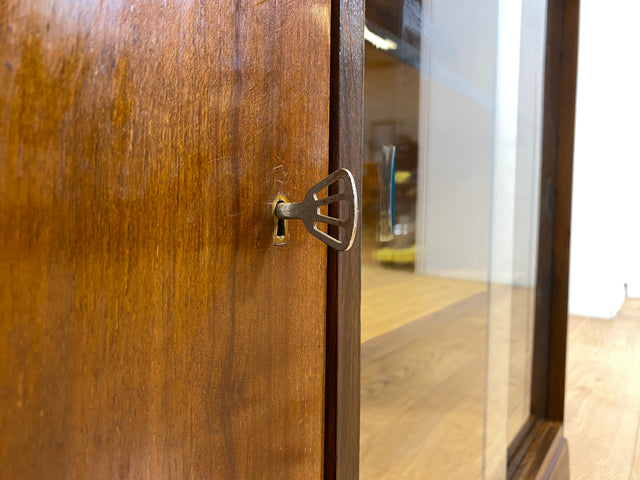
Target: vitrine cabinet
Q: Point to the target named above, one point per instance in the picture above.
(149, 327)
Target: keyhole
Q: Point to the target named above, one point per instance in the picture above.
(280, 226)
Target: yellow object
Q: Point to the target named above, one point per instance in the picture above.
(395, 255)
(402, 176)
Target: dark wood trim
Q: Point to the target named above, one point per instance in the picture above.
(342, 412)
(539, 451)
(520, 444)
(556, 464)
(550, 331)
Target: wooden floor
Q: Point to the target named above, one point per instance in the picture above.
(393, 297)
(603, 396)
(423, 397)
(424, 382)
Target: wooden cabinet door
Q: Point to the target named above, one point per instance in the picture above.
(149, 328)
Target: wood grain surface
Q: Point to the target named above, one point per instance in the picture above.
(552, 296)
(392, 298)
(559, 466)
(635, 470)
(148, 326)
(423, 396)
(342, 414)
(424, 380)
(539, 453)
(602, 420)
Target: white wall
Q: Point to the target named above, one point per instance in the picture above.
(605, 233)
(479, 149)
(455, 151)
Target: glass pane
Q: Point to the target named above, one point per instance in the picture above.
(453, 95)
(526, 205)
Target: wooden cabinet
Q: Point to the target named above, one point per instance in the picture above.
(149, 328)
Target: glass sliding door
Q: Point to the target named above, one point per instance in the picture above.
(453, 95)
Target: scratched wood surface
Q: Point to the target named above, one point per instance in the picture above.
(148, 327)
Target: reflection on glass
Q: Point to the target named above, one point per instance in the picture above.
(453, 96)
(386, 192)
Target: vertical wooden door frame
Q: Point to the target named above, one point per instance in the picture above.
(342, 394)
(552, 290)
(541, 439)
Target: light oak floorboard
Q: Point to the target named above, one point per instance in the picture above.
(393, 297)
(603, 395)
(635, 473)
(424, 382)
